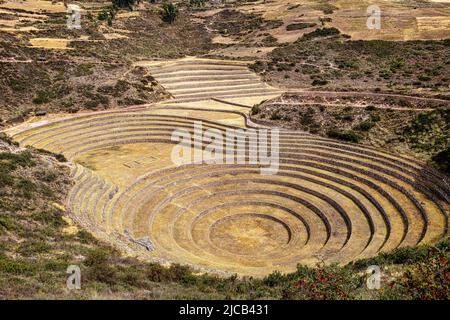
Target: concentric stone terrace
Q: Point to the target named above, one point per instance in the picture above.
(194, 79)
(330, 201)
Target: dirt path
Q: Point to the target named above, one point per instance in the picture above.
(371, 94)
(348, 105)
(15, 61)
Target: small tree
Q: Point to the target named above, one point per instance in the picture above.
(169, 12)
(108, 14)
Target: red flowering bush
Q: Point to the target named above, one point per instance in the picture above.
(324, 283)
(429, 280)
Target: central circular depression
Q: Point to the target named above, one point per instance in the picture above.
(250, 234)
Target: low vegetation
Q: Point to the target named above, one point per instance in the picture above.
(325, 58)
(299, 26)
(230, 22)
(429, 133)
(169, 12)
(347, 135)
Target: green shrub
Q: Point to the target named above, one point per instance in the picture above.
(51, 218)
(322, 282)
(108, 14)
(96, 100)
(403, 256)
(424, 78)
(255, 109)
(25, 186)
(55, 265)
(54, 92)
(276, 115)
(5, 138)
(10, 161)
(346, 63)
(120, 87)
(284, 67)
(33, 247)
(169, 12)
(299, 26)
(428, 280)
(396, 64)
(322, 32)
(47, 175)
(85, 237)
(325, 7)
(17, 85)
(84, 69)
(99, 266)
(197, 3)
(274, 279)
(6, 179)
(42, 97)
(269, 41)
(16, 266)
(124, 3)
(157, 273)
(348, 135)
(307, 118)
(442, 160)
(58, 156)
(319, 82)
(365, 125)
(323, 20)
(7, 223)
(309, 69)
(345, 117)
